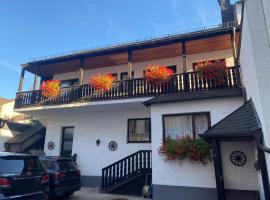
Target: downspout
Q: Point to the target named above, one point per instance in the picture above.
(262, 162)
(260, 145)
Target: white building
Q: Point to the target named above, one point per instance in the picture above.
(116, 135)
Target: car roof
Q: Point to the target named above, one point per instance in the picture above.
(55, 158)
(13, 154)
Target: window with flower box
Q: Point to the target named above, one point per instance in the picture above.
(191, 124)
(139, 130)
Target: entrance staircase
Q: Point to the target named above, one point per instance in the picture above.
(126, 170)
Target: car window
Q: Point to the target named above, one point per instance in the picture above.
(66, 164)
(48, 165)
(18, 166)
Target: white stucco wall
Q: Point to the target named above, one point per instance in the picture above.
(88, 127)
(255, 59)
(187, 174)
(240, 178)
(138, 67)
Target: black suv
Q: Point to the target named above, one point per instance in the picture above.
(65, 177)
(22, 177)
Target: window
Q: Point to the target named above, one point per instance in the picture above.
(115, 76)
(124, 75)
(18, 166)
(67, 141)
(69, 83)
(139, 130)
(175, 126)
(66, 165)
(173, 68)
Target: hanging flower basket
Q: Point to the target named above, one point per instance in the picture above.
(212, 70)
(186, 148)
(50, 89)
(102, 82)
(158, 74)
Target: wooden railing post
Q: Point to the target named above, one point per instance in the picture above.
(186, 82)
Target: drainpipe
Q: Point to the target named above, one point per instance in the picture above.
(258, 138)
(262, 162)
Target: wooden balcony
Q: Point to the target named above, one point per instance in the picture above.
(134, 88)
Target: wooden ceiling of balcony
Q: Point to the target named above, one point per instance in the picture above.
(172, 50)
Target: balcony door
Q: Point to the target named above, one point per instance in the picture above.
(67, 142)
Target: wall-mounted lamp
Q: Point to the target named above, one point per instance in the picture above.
(98, 142)
(2, 122)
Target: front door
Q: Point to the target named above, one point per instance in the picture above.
(67, 142)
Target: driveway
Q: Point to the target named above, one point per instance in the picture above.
(87, 193)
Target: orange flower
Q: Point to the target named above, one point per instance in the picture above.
(158, 74)
(50, 88)
(102, 82)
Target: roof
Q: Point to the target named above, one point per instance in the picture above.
(137, 44)
(243, 122)
(10, 154)
(15, 126)
(4, 101)
(55, 158)
(196, 95)
(26, 134)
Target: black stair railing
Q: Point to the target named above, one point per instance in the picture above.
(128, 167)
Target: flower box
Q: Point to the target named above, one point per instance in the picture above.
(50, 89)
(158, 74)
(212, 70)
(102, 82)
(186, 148)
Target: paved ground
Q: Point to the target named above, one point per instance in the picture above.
(93, 194)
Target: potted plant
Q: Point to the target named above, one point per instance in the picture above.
(102, 82)
(212, 70)
(158, 74)
(50, 89)
(186, 148)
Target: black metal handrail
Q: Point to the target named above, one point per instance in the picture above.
(139, 87)
(128, 167)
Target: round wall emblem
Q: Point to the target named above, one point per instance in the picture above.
(238, 158)
(51, 145)
(112, 145)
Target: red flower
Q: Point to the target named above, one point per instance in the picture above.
(215, 70)
(50, 88)
(158, 74)
(102, 82)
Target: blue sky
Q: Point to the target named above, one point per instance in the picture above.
(36, 28)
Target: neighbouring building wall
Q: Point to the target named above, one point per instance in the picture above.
(255, 59)
(139, 67)
(7, 113)
(110, 125)
(193, 180)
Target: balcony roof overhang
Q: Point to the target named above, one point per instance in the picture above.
(205, 40)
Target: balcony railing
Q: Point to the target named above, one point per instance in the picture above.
(134, 88)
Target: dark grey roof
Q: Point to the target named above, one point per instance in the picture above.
(196, 95)
(15, 126)
(241, 123)
(25, 135)
(137, 43)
